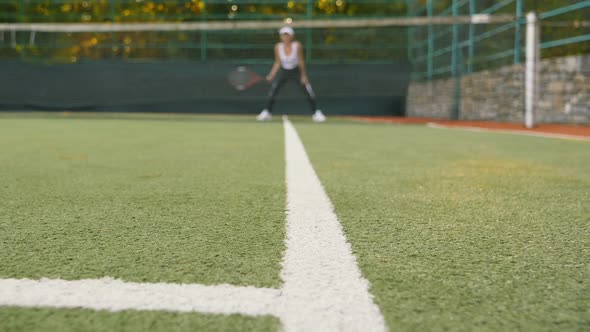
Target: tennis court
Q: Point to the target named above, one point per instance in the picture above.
(305, 165)
(452, 229)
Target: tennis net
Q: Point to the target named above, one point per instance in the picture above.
(356, 66)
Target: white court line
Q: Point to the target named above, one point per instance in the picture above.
(508, 131)
(116, 295)
(323, 287)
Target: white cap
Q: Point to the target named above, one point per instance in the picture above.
(287, 30)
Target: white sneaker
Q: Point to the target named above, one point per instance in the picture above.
(318, 116)
(264, 116)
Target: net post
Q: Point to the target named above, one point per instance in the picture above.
(113, 17)
(410, 46)
(204, 34)
(308, 35)
(430, 12)
(532, 68)
(455, 63)
(517, 32)
(32, 38)
(112, 10)
(21, 18)
(471, 50)
(13, 38)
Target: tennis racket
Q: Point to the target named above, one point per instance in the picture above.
(243, 78)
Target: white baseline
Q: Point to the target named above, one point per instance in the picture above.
(323, 288)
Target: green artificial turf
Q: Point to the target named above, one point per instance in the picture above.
(70, 320)
(174, 198)
(460, 231)
(456, 231)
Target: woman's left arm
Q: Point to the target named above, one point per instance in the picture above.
(304, 79)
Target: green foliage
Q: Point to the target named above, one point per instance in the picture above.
(73, 47)
(196, 46)
(188, 10)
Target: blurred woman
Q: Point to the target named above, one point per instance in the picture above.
(289, 65)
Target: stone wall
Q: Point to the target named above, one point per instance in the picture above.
(499, 94)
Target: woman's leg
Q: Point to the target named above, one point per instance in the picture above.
(306, 88)
(310, 96)
(275, 87)
(287, 75)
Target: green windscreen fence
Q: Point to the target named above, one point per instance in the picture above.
(352, 70)
(185, 86)
(176, 69)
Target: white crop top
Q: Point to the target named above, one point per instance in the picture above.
(290, 61)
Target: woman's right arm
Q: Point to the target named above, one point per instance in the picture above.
(275, 67)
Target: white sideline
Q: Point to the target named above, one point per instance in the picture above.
(323, 289)
(508, 131)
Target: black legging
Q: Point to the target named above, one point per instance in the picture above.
(285, 75)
